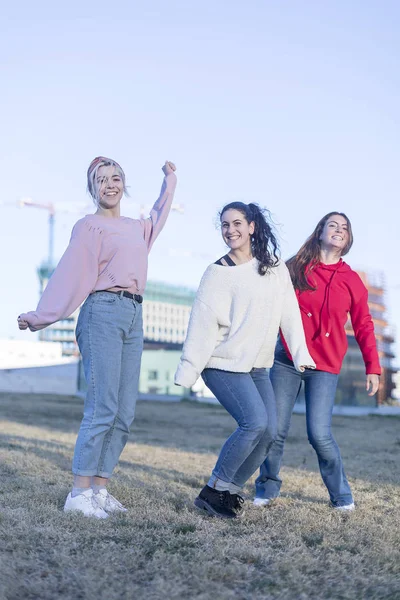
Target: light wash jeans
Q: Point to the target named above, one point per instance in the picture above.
(109, 333)
(320, 389)
(249, 399)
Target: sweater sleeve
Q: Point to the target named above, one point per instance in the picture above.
(202, 334)
(291, 326)
(160, 211)
(199, 345)
(363, 327)
(72, 281)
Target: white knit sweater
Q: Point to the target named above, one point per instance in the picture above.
(235, 321)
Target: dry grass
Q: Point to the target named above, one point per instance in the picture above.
(163, 548)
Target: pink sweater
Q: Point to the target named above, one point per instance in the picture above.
(103, 254)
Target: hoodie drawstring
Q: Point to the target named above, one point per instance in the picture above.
(326, 301)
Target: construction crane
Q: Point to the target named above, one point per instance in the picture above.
(52, 211)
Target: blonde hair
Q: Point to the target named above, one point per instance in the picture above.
(102, 161)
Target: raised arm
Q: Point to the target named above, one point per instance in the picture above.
(160, 211)
(292, 326)
(72, 281)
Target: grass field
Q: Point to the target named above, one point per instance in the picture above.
(297, 549)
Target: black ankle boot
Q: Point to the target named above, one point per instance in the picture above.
(216, 503)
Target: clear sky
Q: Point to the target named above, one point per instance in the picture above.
(291, 104)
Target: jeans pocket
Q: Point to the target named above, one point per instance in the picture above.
(105, 298)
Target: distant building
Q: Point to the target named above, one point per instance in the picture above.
(166, 311)
(62, 332)
(157, 372)
(396, 391)
(351, 386)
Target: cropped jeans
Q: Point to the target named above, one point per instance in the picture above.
(249, 399)
(109, 333)
(320, 389)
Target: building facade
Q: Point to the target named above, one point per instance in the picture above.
(166, 311)
(351, 386)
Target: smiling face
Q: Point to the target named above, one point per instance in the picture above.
(109, 186)
(236, 231)
(335, 234)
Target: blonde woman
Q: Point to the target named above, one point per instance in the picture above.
(106, 264)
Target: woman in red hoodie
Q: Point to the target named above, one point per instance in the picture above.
(328, 290)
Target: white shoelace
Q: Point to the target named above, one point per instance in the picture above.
(95, 504)
(112, 502)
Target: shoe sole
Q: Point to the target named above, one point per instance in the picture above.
(204, 506)
(113, 511)
(77, 510)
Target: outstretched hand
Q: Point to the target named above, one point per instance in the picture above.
(372, 384)
(169, 167)
(22, 324)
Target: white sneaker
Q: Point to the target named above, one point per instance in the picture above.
(345, 507)
(107, 502)
(261, 501)
(86, 504)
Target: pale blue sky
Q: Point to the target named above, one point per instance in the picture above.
(292, 104)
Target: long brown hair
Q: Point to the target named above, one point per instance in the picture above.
(308, 257)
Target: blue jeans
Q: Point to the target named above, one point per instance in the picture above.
(320, 389)
(249, 399)
(109, 333)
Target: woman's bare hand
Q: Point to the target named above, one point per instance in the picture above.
(372, 384)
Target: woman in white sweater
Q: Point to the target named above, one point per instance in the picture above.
(230, 342)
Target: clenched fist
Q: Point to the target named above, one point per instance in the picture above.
(22, 324)
(169, 167)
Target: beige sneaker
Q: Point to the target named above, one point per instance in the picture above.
(107, 502)
(86, 504)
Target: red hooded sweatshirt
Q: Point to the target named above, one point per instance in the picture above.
(340, 292)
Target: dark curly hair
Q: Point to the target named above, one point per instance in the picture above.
(264, 245)
(307, 258)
